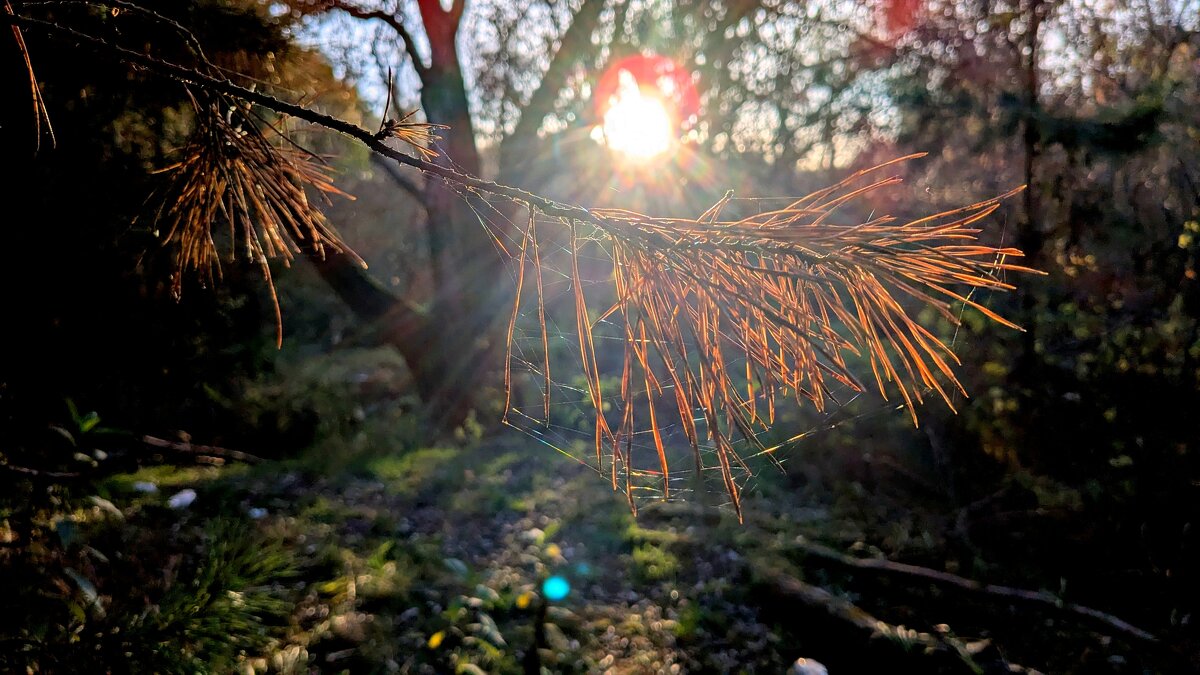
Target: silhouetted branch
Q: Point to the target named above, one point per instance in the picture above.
(367, 138)
(40, 473)
(394, 22)
(793, 289)
(541, 102)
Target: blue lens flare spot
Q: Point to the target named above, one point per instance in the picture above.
(555, 588)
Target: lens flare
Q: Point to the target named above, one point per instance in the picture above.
(555, 588)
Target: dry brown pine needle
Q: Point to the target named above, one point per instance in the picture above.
(234, 182)
(788, 295)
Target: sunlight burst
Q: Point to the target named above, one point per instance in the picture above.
(637, 123)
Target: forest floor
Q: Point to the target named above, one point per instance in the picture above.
(431, 559)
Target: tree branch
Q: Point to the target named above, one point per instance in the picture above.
(391, 20)
(656, 260)
(541, 103)
(938, 653)
(370, 139)
(1043, 599)
(41, 473)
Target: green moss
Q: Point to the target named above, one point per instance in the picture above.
(689, 621)
(637, 534)
(418, 470)
(654, 563)
(166, 477)
(325, 511)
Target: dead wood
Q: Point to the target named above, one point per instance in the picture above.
(1102, 621)
(860, 639)
(202, 451)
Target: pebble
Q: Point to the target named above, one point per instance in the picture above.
(808, 667)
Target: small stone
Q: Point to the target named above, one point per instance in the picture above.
(808, 667)
(182, 499)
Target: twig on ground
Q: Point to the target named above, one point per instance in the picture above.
(40, 473)
(202, 450)
(949, 654)
(1101, 620)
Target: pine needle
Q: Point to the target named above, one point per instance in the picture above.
(791, 291)
(233, 180)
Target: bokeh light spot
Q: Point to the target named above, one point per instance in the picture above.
(436, 639)
(555, 588)
(524, 600)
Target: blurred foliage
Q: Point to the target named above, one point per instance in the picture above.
(1083, 414)
(105, 328)
(90, 585)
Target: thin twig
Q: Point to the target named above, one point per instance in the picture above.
(1043, 599)
(35, 91)
(40, 473)
(394, 22)
(871, 631)
(203, 450)
(367, 138)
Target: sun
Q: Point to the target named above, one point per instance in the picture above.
(644, 104)
(637, 123)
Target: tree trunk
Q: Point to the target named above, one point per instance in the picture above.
(1030, 237)
(448, 348)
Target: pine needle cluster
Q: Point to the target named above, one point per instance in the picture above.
(725, 317)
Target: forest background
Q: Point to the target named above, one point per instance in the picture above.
(352, 501)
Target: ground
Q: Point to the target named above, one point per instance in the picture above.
(410, 558)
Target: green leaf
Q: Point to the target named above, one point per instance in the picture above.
(89, 422)
(70, 438)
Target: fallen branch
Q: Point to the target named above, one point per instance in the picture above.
(201, 450)
(40, 473)
(942, 653)
(1101, 620)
